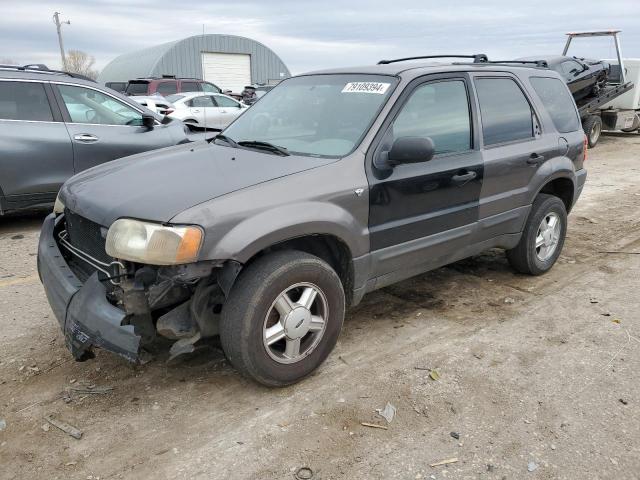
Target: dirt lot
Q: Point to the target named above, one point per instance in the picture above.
(537, 374)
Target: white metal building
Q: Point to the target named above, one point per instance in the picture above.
(229, 61)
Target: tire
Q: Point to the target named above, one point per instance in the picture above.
(592, 127)
(526, 257)
(251, 308)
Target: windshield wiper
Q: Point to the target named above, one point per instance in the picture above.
(230, 141)
(270, 147)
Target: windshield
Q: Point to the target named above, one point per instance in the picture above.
(316, 115)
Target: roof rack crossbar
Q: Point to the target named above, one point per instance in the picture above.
(477, 58)
(537, 63)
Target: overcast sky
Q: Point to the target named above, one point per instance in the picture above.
(310, 35)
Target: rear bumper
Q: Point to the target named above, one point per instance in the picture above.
(581, 178)
(85, 315)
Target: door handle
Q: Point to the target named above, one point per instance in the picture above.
(464, 177)
(85, 138)
(196, 110)
(223, 111)
(535, 159)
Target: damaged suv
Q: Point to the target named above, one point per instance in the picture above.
(335, 184)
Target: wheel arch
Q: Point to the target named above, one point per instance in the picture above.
(561, 185)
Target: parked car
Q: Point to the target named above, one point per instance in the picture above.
(335, 184)
(168, 85)
(205, 110)
(119, 87)
(156, 103)
(54, 125)
(584, 77)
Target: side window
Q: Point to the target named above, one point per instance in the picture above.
(167, 88)
(558, 101)
(210, 88)
(201, 102)
(570, 68)
(505, 111)
(226, 102)
(24, 101)
(190, 87)
(86, 105)
(440, 111)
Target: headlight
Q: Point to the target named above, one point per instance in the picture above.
(152, 243)
(58, 207)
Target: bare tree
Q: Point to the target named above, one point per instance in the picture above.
(82, 63)
(8, 61)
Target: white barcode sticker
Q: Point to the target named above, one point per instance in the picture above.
(366, 87)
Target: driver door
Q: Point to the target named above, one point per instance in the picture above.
(421, 214)
(103, 128)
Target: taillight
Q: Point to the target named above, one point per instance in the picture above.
(169, 111)
(585, 148)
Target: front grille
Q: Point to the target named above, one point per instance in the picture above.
(83, 244)
(86, 235)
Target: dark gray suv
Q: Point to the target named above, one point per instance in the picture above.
(335, 184)
(55, 124)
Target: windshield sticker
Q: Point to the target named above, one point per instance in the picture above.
(366, 87)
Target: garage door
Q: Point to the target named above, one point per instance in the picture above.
(230, 71)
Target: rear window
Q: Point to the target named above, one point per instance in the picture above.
(191, 87)
(167, 88)
(558, 101)
(24, 101)
(505, 111)
(137, 88)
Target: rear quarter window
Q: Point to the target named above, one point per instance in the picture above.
(556, 98)
(167, 88)
(24, 101)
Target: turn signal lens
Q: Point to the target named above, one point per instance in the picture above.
(586, 148)
(152, 243)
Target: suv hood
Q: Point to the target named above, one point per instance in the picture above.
(159, 184)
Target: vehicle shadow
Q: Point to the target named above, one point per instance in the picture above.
(16, 223)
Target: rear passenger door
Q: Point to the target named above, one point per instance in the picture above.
(421, 213)
(514, 147)
(228, 110)
(35, 148)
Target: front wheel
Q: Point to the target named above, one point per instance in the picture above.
(543, 237)
(282, 317)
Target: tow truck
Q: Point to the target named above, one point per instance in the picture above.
(617, 105)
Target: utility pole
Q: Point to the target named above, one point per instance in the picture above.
(56, 20)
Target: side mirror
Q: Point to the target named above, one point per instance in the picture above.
(148, 121)
(410, 150)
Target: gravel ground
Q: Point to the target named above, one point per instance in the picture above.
(538, 377)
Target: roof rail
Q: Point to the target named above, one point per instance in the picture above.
(537, 63)
(41, 68)
(477, 58)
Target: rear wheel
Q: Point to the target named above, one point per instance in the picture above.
(282, 317)
(592, 127)
(543, 237)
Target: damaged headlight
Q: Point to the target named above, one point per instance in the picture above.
(58, 207)
(152, 243)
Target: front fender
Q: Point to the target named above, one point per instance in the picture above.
(285, 222)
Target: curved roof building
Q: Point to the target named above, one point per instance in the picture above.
(229, 61)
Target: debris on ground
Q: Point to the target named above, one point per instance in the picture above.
(455, 435)
(444, 462)
(65, 427)
(509, 300)
(303, 473)
(593, 300)
(90, 390)
(434, 375)
(621, 400)
(374, 425)
(45, 427)
(616, 320)
(532, 466)
(388, 412)
(3, 424)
